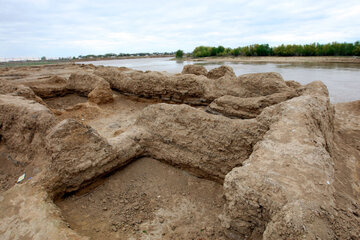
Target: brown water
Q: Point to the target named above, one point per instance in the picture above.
(342, 79)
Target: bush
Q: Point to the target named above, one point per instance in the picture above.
(201, 51)
(356, 51)
(179, 53)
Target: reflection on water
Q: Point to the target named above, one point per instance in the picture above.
(342, 79)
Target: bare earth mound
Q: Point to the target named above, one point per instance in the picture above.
(118, 153)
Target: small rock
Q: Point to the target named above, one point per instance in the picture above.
(114, 229)
(161, 220)
(105, 209)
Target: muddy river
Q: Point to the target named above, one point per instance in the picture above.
(342, 79)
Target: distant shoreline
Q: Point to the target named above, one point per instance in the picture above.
(119, 58)
(275, 59)
(252, 59)
(24, 63)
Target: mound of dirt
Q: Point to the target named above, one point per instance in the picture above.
(278, 185)
(49, 87)
(262, 84)
(193, 89)
(204, 144)
(194, 69)
(23, 127)
(247, 107)
(18, 90)
(84, 83)
(101, 94)
(222, 71)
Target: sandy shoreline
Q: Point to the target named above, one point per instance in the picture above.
(271, 59)
(280, 59)
(70, 61)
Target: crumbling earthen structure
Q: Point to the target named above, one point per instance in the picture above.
(277, 147)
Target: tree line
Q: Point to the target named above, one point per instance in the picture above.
(114, 55)
(314, 49)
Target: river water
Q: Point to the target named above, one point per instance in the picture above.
(342, 79)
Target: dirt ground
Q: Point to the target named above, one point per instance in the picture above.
(65, 101)
(146, 200)
(110, 119)
(150, 199)
(36, 73)
(11, 168)
(347, 139)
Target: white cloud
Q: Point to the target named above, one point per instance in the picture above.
(74, 27)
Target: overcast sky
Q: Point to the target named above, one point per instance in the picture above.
(61, 28)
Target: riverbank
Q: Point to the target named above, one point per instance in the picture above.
(273, 59)
(69, 61)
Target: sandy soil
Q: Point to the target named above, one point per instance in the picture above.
(36, 73)
(347, 139)
(12, 168)
(109, 120)
(146, 200)
(65, 101)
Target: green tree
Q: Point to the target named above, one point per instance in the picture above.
(201, 51)
(179, 53)
(356, 51)
(220, 51)
(262, 50)
(314, 49)
(236, 52)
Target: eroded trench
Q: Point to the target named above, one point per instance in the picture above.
(146, 199)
